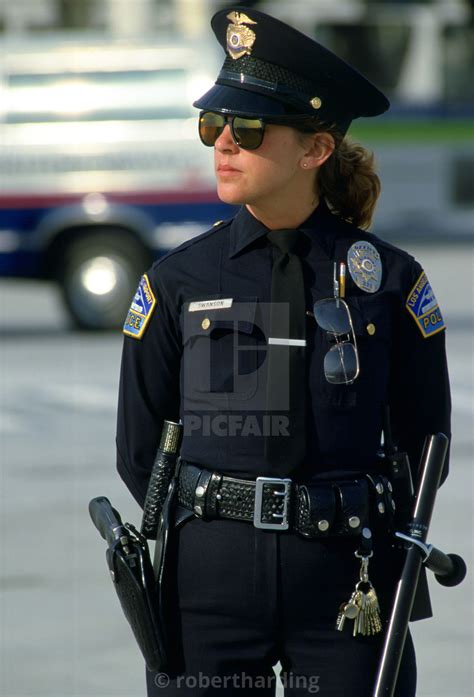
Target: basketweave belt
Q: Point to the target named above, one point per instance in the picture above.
(340, 507)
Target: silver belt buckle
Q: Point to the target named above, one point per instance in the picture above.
(282, 487)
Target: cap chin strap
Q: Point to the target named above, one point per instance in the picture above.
(284, 94)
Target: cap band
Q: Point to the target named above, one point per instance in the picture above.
(269, 72)
(285, 93)
(268, 77)
(226, 76)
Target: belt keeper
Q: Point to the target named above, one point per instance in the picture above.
(383, 499)
(200, 494)
(212, 492)
(365, 542)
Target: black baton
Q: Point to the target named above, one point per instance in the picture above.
(449, 569)
(161, 476)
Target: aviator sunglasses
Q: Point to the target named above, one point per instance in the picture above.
(246, 133)
(341, 362)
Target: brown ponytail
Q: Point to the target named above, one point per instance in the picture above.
(347, 179)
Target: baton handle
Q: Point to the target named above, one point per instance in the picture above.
(161, 476)
(449, 569)
(106, 519)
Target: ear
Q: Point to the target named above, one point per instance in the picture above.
(319, 148)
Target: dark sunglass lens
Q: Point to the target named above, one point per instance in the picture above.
(340, 364)
(248, 133)
(332, 315)
(210, 127)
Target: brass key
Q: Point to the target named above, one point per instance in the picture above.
(363, 606)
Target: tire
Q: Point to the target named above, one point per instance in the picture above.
(99, 276)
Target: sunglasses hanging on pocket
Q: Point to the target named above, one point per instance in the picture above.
(341, 362)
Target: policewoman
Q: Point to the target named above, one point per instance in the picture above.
(296, 347)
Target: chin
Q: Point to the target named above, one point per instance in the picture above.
(230, 195)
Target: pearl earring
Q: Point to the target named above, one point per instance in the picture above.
(305, 164)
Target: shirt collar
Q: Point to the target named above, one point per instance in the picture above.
(245, 229)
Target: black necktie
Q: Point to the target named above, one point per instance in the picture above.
(286, 376)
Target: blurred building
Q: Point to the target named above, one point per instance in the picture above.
(124, 17)
(418, 51)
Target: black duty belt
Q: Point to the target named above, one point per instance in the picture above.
(319, 509)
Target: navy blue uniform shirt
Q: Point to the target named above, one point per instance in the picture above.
(200, 355)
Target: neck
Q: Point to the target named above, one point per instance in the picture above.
(277, 217)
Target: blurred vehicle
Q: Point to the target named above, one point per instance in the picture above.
(101, 166)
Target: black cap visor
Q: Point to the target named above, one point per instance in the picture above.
(243, 102)
(253, 104)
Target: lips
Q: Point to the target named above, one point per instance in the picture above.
(223, 169)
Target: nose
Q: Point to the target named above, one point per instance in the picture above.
(225, 142)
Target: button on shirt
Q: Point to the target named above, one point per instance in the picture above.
(202, 357)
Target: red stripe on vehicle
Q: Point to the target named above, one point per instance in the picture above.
(133, 198)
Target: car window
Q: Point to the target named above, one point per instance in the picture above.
(97, 96)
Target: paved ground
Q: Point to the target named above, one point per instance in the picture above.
(62, 634)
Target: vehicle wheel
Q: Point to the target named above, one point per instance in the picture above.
(99, 276)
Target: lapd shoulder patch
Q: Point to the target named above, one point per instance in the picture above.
(423, 307)
(141, 309)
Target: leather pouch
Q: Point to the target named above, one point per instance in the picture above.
(316, 510)
(353, 500)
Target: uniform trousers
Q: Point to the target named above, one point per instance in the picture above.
(239, 599)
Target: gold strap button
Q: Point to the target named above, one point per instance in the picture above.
(371, 329)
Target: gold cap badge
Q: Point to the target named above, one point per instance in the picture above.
(240, 38)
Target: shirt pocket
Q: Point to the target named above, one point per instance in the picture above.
(373, 326)
(371, 321)
(220, 356)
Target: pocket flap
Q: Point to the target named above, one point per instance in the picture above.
(370, 315)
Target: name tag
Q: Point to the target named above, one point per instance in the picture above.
(221, 304)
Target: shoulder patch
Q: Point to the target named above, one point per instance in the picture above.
(423, 307)
(141, 310)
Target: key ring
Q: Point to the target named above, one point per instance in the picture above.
(361, 555)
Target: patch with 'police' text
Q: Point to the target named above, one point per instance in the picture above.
(424, 308)
(141, 309)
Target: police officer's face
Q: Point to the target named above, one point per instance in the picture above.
(278, 168)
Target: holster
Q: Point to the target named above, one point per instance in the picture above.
(128, 559)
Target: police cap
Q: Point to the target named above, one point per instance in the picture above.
(273, 70)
